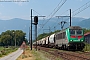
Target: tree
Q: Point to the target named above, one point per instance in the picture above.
(9, 37)
(6, 40)
(86, 30)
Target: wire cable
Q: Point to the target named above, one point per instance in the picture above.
(79, 10)
(54, 13)
(82, 8)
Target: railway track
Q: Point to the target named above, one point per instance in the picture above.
(66, 55)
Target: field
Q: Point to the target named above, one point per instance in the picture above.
(6, 50)
(1, 48)
(26, 55)
(32, 55)
(42, 55)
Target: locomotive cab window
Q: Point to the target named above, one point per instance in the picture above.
(76, 32)
(72, 32)
(79, 32)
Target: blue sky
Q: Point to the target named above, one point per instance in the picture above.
(9, 10)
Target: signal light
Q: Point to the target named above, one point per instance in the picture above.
(36, 20)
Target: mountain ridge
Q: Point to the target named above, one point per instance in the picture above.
(22, 24)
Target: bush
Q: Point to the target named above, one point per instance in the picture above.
(0, 54)
(87, 47)
(6, 51)
(3, 52)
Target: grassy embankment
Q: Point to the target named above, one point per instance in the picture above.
(32, 55)
(6, 50)
(87, 47)
(39, 55)
(42, 55)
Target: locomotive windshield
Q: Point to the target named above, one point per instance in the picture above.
(75, 32)
(72, 32)
(79, 32)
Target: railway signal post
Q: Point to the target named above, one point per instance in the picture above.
(35, 23)
(31, 30)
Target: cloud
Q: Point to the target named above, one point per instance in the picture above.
(5, 17)
(20, 2)
(79, 0)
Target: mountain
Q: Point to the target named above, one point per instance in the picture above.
(43, 25)
(56, 22)
(15, 24)
(76, 20)
(85, 23)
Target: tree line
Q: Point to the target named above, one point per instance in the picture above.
(8, 38)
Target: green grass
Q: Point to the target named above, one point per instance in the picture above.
(52, 56)
(38, 55)
(6, 51)
(1, 48)
(42, 55)
(87, 47)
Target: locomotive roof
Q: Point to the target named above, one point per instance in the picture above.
(71, 27)
(75, 27)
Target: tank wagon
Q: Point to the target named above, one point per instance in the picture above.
(47, 41)
(69, 38)
(52, 40)
(43, 42)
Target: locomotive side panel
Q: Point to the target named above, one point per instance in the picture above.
(61, 39)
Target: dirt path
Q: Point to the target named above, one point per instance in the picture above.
(13, 56)
(27, 55)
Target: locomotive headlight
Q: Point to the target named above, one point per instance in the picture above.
(71, 40)
(68, 44)
(81, 40)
